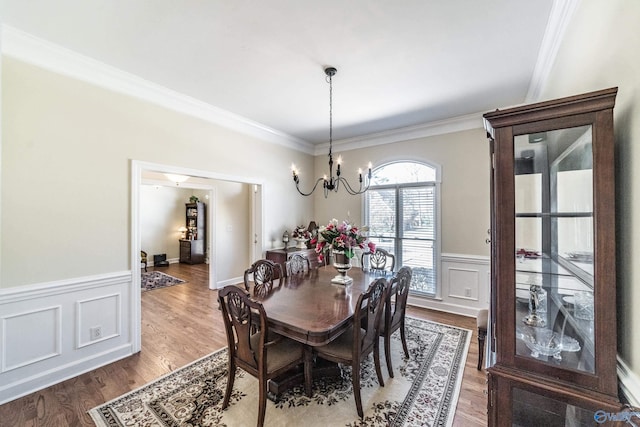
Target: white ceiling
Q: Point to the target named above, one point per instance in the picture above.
(400, 63)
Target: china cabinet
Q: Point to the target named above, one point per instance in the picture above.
(553, 290)
(192, 248)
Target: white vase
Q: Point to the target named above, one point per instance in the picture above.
(301, 243)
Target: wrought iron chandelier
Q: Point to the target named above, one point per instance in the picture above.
(332, 183)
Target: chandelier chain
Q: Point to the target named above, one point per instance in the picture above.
(330, 113)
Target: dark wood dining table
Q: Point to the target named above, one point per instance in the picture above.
(310, 309)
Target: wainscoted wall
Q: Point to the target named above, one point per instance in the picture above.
(50, 332)
(465, 283)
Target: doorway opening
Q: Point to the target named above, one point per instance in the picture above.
(207, 180)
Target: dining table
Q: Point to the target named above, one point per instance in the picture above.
(312, 310)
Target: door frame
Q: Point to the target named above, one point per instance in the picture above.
(257, 229)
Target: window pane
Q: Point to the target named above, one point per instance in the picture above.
(382, 212)
(419, 255)
(403, 173)
(418, 212)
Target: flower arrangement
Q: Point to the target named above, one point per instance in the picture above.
(300, 232)
(341, 236)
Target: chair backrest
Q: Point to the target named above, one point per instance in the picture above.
(369, 310)
(242, 317)
(398, 288)
(265, 273)
(297, 264)
(379, 260)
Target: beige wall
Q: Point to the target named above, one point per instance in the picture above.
(600, 50)
(464, 161)
(162, 213)
(67, 148)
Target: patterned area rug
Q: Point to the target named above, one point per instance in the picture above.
(157, 279)
(424, 391)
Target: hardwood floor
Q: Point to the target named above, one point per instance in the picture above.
(179, 325)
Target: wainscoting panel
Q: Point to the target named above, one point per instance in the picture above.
(38, 332)
(54, 331)
(464, 285)
(99, 319)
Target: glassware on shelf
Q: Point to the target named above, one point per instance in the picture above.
(583, 305)
(537, 305)
(545, 342)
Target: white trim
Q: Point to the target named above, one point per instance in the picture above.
(46, 379)
(466, 259)
(29, 374)
(232, 281)
(48, 289)
(5, 345)
(55, 58)
(629, 383)
(440, 127)
(440, 305)
(52, 57)
(559, 18)
(79, 317)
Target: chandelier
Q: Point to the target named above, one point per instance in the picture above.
(333, 183)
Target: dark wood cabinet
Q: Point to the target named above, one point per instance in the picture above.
(281, 256)
(553, 281)
(192, 249)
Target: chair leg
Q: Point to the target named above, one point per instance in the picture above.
(404, 339)
(355, 381)
(262, 401)
(387, 353)
(231, 378)
(308, 374)
(376, 361)
(482, 333)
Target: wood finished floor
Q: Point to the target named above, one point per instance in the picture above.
(179, 325)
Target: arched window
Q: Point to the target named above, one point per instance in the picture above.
(401, 209)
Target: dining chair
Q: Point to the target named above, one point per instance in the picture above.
(265, 275)
(379, 260)
(355, 344)
(297, 264)
(143, 259)
(394, 313)
(262, 354)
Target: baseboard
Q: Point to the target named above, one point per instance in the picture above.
(232, 281)
(45, 379)
(446, 307)
(629, 383)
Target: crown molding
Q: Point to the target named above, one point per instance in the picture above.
(440, 127)
(44, 54)
(561, 14)
(60, 60)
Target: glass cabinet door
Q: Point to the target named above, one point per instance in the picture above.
(554, 247)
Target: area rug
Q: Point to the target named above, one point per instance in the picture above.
(157, 279)
(423, 392)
